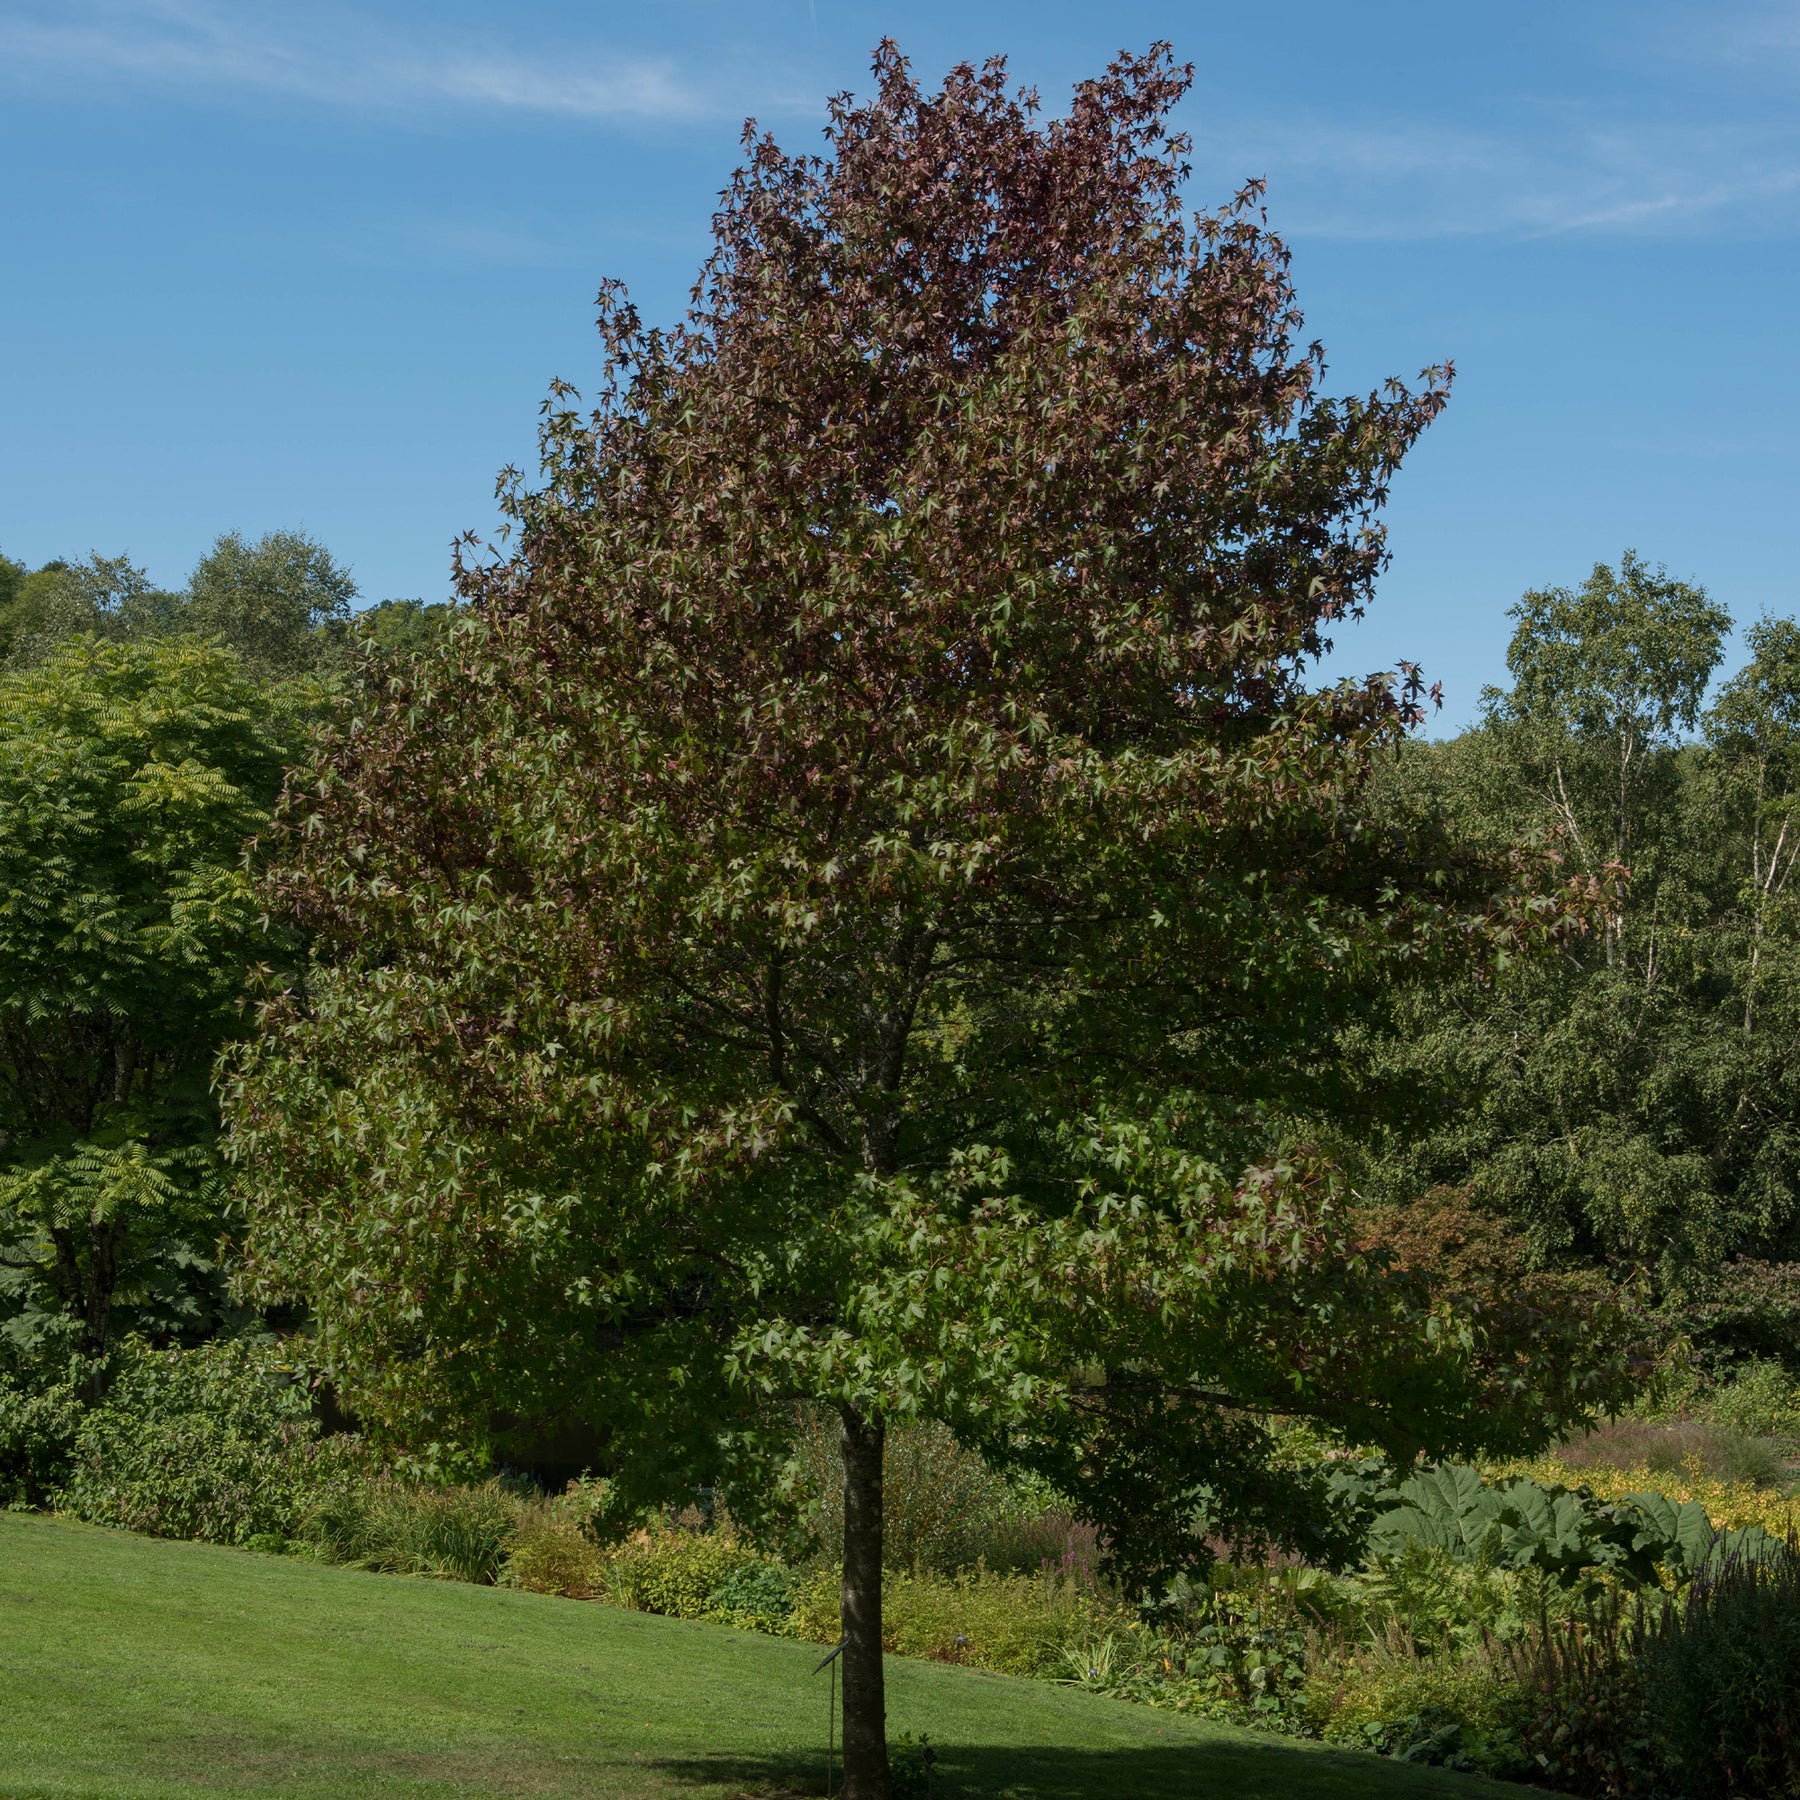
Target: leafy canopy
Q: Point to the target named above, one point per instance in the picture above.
(131, 777)
(1634, 1102)
(852, 911)
(280, 602)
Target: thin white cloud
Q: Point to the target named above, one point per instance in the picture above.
(1521, 167)
(331, 56)
(1535, 170)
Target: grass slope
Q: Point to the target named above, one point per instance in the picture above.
(135, 1667)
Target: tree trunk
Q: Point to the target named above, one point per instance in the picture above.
(865, 1698)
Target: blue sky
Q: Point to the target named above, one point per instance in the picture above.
(315, 264)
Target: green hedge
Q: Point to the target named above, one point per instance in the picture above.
(217, 1443)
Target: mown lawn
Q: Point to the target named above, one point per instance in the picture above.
(134, 1667)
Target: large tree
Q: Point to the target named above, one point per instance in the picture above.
(281, 602)
(101, 596)
(852, 911)
(131, 777)
(1634, 1101)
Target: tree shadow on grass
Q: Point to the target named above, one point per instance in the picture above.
(1188, 1771)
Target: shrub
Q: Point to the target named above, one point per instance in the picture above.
(1245, 1665)
(1442, 1601)
(1761, 1402)
(1719, 1675)
(1011, 1624)
(1582, 1712)
(942, 1506)
(38, 1429)
(448, 1534)
(1696, 1695)
(675, 1572)
(217, 1443)
(550, 1552)
(1464, 1710)
(758, 1597)
(1054, 1542)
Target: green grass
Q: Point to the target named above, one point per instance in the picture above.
(135, 1667)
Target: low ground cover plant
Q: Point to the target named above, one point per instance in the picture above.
(1729, 1504)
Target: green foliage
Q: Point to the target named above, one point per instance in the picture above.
(217, 1443)
(676, 1572)
(912, 1765)
(886, 958)
(1697, 1697)
(39, 1423)
(944, 1509)
(1719, 1676)
(281, 602)
(395, 632)
(1464, 1711)
(1566, 1533)
(1746, 1310)
(759, 1595)
(1433, 1601)
(1010, 1624)
(1760, 1400)
(555, 1546)
(1633, 1104)
(104, 597)
(554, 1557)
(131, 777)
(395, 1528)
(12, 579)
(1226, 1657)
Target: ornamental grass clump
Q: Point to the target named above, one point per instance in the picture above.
(393, 1528)
(1700, 1449)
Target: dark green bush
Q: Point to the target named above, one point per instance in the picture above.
(1719, 1676)
(760, 1594)
(1687, 1697)
(217, 1443)
(38, 1428)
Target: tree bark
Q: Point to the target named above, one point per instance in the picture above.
(865, 1697)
